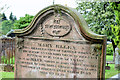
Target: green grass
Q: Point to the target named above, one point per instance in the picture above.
(6, 75)
(112, 71)
(109, 58)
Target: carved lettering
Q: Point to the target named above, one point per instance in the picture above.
(68, 58)
(57, 27)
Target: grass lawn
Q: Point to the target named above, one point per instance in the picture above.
(6, 75)
(109, 58)
(112, 71)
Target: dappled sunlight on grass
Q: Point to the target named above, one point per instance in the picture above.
(6, 75)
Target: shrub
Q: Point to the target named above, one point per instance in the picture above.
(109, 50)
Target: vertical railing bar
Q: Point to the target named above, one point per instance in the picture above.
(14, 47)
(5, 49)
(9, 51)
(12, 51)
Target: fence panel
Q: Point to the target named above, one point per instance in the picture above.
(7, 50)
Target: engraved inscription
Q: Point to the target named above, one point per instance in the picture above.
(57, 26)
(60, 59)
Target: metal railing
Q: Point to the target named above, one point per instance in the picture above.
(7, 50)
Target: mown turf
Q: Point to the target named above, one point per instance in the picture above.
(112, 71)
(6, 75)
(109, 58)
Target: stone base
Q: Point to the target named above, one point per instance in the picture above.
(2, 67)
(6, 68)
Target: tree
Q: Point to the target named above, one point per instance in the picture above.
(2, 9)
(4, 17)
(116, 28)
(99, 16)
(116, 31)
(23, 22)
(6, 26)
(12, 17)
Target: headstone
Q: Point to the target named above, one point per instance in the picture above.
(117, 59)
(59, 44)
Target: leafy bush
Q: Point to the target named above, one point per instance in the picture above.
(109, 50)
(23, 22)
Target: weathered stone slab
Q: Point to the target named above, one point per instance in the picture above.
(59, 44)
(2, 67)
(117, 59)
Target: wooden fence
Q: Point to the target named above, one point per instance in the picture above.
(7, 50)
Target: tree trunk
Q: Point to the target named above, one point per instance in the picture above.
(114, 46)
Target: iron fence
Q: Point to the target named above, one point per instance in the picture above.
(7, 50)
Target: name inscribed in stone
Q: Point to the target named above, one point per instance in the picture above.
(59, 58)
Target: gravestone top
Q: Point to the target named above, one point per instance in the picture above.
(59, 44)
(77, 17)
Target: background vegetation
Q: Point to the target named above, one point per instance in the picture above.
(13, 23)
(103, 18)
(109, 50)
(116, 28)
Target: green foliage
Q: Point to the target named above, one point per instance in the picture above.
(98, 15)
(6, 26)
(116, 32)
(4, 17)
(23, 22)
(12, 17)
(116, 28)
(116, 7)
(109, 50)
(0, 29)
(3, 7)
